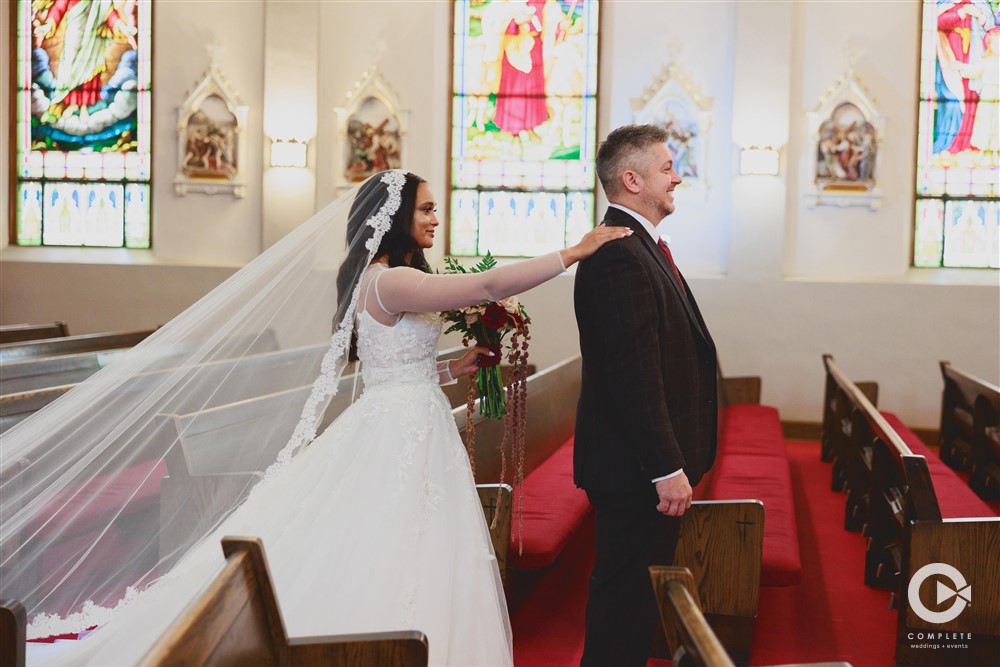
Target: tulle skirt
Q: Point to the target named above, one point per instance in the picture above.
(376, 526)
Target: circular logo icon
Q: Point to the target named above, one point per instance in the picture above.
(959, 589)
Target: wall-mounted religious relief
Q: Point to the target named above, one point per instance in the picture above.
(674, 103)
(211, 136)
(371, 131)
(845, 131)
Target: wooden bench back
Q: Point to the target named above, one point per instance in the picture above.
(237, 621)
(691, 639)
(839, 405)
(221, 452)
(243, 380)
(43, 372)
(19, 333)
(905, 530)
(51, 347)
(970, 406)
(552, 397)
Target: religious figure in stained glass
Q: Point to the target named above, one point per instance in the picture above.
(523, 115)
(82, 134)
(91, 44)
(958, 162)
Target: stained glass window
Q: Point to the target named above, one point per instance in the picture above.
(83, 123)
(524, 125)
(958, 144)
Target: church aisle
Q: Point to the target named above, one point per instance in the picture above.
(830, 616)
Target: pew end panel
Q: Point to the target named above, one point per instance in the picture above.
(496, 502)
(721, 544)
(984, 473)
(691, 639)
(237, 621)
(970, 407)
(13, 633)
(972, 547)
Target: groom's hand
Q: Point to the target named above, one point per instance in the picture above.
(675, 495)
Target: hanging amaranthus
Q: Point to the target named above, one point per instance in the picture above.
(487, 325)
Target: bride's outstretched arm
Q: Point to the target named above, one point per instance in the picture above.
(403, 289)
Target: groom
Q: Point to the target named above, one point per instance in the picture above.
(647, 418)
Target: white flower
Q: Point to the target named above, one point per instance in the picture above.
(471, 318)
(511, 305)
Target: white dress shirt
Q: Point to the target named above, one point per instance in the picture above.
(654, 234)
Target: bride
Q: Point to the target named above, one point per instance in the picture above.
(376, 525)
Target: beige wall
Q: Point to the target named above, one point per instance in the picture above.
(779, 283)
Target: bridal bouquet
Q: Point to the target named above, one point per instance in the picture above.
(501, 326)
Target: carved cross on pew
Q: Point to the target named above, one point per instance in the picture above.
(743, 528)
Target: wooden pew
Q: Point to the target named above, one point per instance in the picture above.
(18, 333)
(221, 451)
(33, 374)
(907, 531)
(559, 507)
(552, 396)
(849, 434)
(237, 621)
(18, 406)
(721, 545)
(838, 408)
(13, 632)
(688, 632)
(694, 642)
(51, 347)
(970, 406)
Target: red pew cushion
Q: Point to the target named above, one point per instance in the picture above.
(765, 478)
(752, 429)
(954, 496)
(138, 485)
(554, 508)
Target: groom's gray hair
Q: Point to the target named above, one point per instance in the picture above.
(624, 149)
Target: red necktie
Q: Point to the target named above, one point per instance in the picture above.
(670, 261)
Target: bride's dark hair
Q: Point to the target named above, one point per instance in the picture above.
(398, 245)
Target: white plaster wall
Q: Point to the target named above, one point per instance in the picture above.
(831, 241)
(636, 42)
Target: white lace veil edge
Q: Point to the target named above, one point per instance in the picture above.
(105, 489)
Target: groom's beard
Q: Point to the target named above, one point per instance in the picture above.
(661, 207)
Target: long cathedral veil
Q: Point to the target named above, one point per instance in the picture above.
(104, 490)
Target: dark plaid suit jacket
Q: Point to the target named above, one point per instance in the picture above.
(648, 400)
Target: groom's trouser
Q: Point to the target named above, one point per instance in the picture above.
(621, 609)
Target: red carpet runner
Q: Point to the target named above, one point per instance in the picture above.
(830, 616)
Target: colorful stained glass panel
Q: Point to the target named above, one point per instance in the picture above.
(958, 134)
(524, 122)
(82, 133)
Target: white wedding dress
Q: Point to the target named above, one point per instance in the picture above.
(376, 525)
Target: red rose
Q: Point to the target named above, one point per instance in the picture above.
(495, 316)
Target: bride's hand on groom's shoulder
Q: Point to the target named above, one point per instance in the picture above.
(593, 240)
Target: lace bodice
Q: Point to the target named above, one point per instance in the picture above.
(404, 353)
